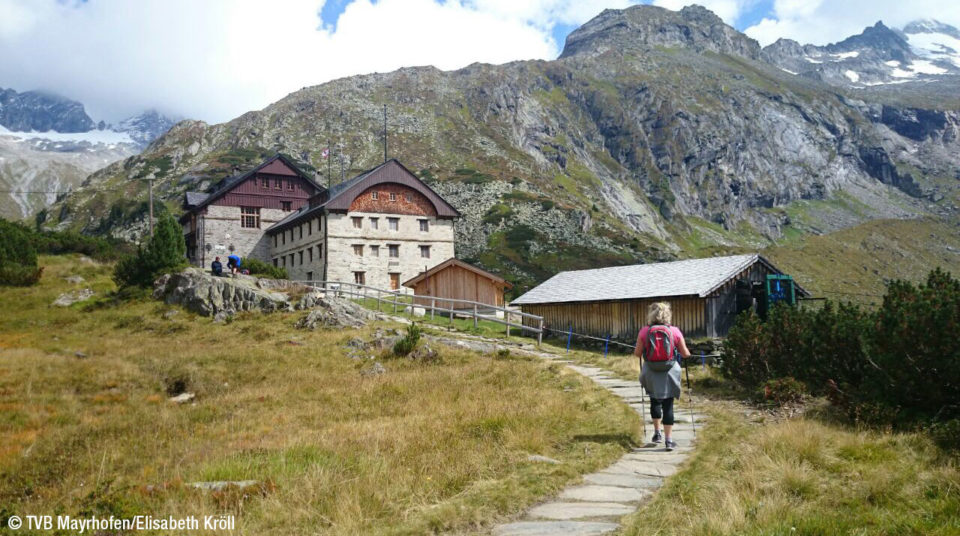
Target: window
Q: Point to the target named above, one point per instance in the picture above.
(264, 182)
(291, 260)
(358, 278)
(319, 225)
(358, 250)
(394, 250)
(424, 226)
(284, 259)
(374, 223)
(425, 252)
(274, 243)
(374, 251)
(393, 196)
(320, 251)
(309, 276)
(274, 262)
(289, 185)
(283, 237)
(278, 184)
(309, 227)
(300, 228)
(309, 254)
(285, 205)
(300, 254)
(393, 223)
(250, 217)
(357, 222)
(374, 195)
(407, 198)
(291, 235)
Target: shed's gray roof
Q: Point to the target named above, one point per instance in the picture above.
(695, 277)
(195, 198)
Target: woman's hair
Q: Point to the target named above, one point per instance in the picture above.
(659, 313)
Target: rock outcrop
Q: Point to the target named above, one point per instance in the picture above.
(221, 297)
(207, 295)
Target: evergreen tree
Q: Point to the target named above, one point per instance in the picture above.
(18, 256)
(165, 252)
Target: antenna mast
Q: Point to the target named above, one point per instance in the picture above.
(384, 133)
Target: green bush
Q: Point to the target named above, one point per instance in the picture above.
(898, 365)
(782, 391)
(408, 342)
(165, 252)
(263, 269)
(18, 256)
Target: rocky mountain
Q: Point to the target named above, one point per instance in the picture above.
(48, 145)
(655, 135)
(922, 51)
(38, 111)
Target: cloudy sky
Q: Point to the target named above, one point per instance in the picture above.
(216, 59)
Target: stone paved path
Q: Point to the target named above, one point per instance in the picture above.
(596, 505)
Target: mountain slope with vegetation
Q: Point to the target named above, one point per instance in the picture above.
(655, 135)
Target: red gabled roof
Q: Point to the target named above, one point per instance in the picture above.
(228, 184)
(452, 261)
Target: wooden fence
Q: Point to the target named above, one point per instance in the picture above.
(469, 309)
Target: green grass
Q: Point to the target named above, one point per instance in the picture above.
(423, 448)
(801, 477)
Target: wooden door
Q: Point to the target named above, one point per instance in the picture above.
(394, 281)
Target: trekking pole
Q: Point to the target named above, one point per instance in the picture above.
(693, 421)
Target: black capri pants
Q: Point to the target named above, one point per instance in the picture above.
(662, 408)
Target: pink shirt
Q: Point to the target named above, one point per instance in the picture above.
(642, 337)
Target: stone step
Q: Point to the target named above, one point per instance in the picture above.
(595, 493)
(624, 480)
(554, 528)
(579, 510)
(642, 468)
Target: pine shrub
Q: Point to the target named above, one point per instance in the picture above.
(165, 252)
(408, 342)
(18, 256)
(263, 269)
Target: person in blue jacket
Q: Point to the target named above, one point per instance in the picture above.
(216, 268)
(233, 261)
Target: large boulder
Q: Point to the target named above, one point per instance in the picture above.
(209, 295)
(331, 313)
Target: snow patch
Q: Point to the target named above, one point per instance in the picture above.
(892, 63)
(845, 55)
(106, 137)
(926, 67)
(787, 71)
(935, 46)
(900, 73)
(852, 75)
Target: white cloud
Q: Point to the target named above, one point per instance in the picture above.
(728, 10)
(821, 22)
(216, 59)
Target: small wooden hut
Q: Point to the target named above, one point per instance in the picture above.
(455, 279)
(613, 301)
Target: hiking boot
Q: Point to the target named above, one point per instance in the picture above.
(670, 444)
(657, 437)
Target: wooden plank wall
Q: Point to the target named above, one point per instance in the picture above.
(459, 284)
(620, 319)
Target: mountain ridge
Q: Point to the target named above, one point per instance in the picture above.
(629, 151)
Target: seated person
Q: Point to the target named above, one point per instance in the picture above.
(216, 268)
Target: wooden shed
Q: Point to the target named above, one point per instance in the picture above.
(455, 279)
(614, 301)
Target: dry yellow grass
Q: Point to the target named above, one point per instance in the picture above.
(423, 448)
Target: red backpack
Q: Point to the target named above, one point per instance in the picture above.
(659, 346)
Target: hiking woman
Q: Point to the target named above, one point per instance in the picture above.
(661, 345)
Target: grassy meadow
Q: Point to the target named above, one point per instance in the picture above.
(425, 447)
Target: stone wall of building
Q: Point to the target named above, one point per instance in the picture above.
(300, 250)
(343, 262)
(223, 234)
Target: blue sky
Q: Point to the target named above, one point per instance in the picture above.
(231, 56)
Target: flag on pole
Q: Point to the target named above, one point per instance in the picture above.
(326, 153)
